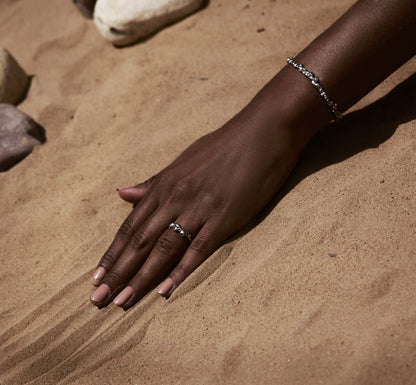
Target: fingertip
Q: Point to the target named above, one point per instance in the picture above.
(99, 294)
(98, 276)
(125, 188)
(166, 288)
(124, 296)
(131, 301)
(131, 194)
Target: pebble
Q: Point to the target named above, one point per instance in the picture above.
(86, 7)
(14, 82)
(19, 133)
(123, 22)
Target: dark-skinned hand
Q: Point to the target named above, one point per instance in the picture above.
(212, 190)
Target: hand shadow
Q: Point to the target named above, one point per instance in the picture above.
(356, 132)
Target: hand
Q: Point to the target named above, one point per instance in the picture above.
(225, 178)
(212, 190)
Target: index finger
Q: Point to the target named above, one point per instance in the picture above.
(122, 238)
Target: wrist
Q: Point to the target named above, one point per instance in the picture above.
(289, 100)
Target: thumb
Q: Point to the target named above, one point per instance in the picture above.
(133, 194)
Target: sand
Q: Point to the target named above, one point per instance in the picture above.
(321, 291)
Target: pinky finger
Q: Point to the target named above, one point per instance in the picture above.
(204, 244)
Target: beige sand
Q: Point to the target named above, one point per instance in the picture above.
(271, 307)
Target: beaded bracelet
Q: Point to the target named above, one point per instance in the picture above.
(317, 85)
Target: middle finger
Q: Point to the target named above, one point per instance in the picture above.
(132, 258)
(166, 253)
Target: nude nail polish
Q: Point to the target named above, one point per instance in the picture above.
(125, 188)
(100, 293)
(123, 297)
(166, 288)
(98, 275)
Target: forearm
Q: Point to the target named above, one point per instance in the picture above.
(362, 48)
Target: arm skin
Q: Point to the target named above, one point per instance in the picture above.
(368, 43)
(225, 179)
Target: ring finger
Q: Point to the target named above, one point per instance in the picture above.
(166, 253)
(135, 252)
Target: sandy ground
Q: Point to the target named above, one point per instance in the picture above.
(270, 307)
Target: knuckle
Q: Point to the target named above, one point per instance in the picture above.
(139, 240)
(114, 279)
(185, 191)
(182, 186)
(199, 244)
(127, 227)
(138, 281)
(181, 194)
(108, 259)
(180, 270)
(164, 245)
(179, 274)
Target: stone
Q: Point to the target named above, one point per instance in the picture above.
(125, 21)
(19, 134)
(86, 7)
(14, 82)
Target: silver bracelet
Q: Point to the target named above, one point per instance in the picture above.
(317, 85)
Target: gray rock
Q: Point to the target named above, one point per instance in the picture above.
(86, 7)
(14, 82)
(19, 133)
(125, 21)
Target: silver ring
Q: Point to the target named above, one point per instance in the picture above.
(177, 228)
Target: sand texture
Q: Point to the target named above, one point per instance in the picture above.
(272, 306)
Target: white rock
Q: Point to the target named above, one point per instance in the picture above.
(13, 80)
(126, 21)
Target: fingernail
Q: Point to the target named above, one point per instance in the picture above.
(98, 275)
(125, 188)
(166, 288)
(99, 294)
(122, 298)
